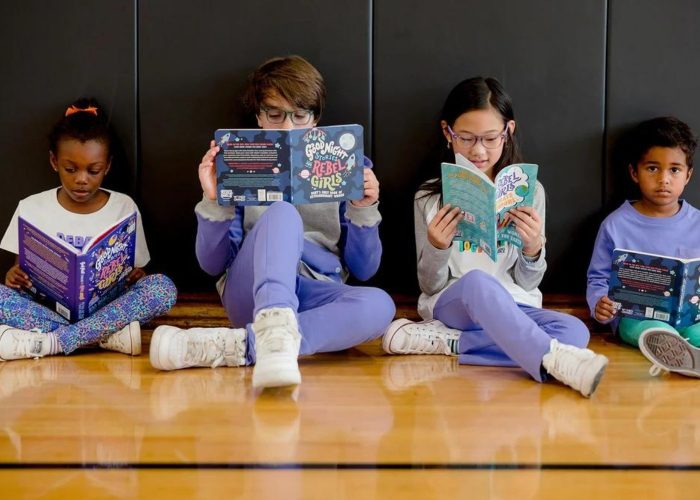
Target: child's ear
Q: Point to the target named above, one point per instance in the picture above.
(511, 126)
(633, 173)
(109, 165)
(52, 161)
(690, 173)
(445, 132)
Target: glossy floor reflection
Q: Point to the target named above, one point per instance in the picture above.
(362, 424)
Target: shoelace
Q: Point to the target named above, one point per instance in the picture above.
(565, 366)
(424, 342)
(209, 350)
(23, 346)
(277, 340)
(116, 341)
(657, 370)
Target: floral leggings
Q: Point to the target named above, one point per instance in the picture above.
(147, 298)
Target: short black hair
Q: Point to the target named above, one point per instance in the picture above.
(84, 120)
(665, 132)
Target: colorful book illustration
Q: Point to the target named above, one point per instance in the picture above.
(312, 165)
(486, 202)
(75, 283)
(650, 286)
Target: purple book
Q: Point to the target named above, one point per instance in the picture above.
(75, 283)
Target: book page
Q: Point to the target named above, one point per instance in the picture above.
(515, 187)
(470, 190)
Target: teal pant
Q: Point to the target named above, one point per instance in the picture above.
(630, 329)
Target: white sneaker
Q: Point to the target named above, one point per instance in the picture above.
(173, 348)
(580, 369)
(669, 352)
(424, 337)
(277, 342)
(127, 340)
(21, 344)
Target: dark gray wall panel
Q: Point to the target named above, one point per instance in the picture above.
(550, 57)
(192, 69)
(52, 53)
(653, 71)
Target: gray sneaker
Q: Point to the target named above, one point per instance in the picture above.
(669, 352)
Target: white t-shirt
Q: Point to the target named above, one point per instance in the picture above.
(44, 211)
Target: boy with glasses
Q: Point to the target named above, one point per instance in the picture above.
(282, 267)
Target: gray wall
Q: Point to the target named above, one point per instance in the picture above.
(170, 73)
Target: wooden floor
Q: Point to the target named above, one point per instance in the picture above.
(361, 425)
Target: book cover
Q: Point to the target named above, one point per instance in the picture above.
(651, 286)
(313, 165)
(486, 202)
(75, 283)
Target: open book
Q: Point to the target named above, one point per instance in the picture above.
(650, 286)
(312, 165)
(78, 282)
(485, 202)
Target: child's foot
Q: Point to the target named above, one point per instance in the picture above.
(173, 348)
(669, 352)
(277, 342)
(22, 344)
(127, 340)
(580, 369)
(424, 337)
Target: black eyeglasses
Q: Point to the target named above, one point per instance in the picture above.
(277, 116)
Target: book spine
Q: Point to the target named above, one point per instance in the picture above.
(81, 288)
(678, 313)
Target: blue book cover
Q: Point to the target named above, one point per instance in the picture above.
(486, 202)
(313, 165)
(75, 283)
(650, 286)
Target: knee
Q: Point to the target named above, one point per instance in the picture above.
(573, 331)
(378, 306)
(160, 287)
(477, 283)
(283, 210)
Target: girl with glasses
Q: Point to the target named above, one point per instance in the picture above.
(485, 312)
(282, 268)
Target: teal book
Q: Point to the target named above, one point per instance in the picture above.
(486, 202)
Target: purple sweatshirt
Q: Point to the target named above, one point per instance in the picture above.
(675, 236)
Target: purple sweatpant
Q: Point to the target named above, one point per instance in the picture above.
(265, 273)
(496, 331)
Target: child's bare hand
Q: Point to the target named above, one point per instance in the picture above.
(443, 227)
(604, 309)
(136, 274)
(528, 224)
(371, 192)
(207, 171)
(16, 278)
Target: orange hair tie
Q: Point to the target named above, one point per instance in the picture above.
(73, 110)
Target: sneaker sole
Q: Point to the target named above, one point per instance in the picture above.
(601, 363)
(276, 371)
(135, 335)
(671, 351)
(391, 332)
(158, 352)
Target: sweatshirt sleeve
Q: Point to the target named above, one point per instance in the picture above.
(361, 246)
(528, 272)
(219, 235)
(598, 275)
(433, 272)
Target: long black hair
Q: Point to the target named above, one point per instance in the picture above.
(469, 95)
